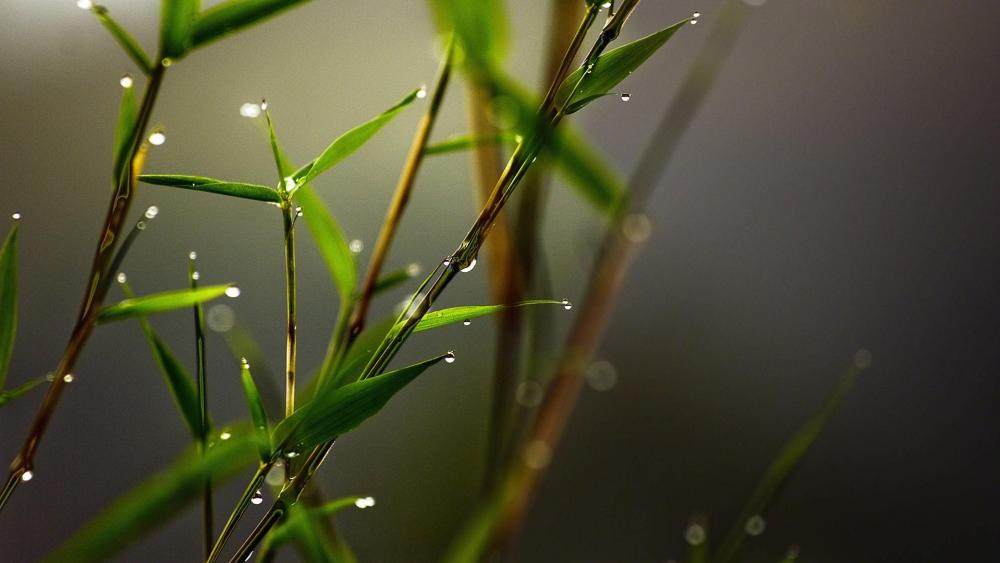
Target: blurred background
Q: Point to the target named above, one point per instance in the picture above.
(837, 191)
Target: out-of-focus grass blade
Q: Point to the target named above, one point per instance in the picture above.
(611, 68)
(8, 301)
(481, 29)
(346, 144)
(128, 43)
(301, 526)
(335, 411)
(466, 142)
(128, 112)
(330, 241)
(784, 463)
(257, 414)
(211, 185)
(154, 502)
(177, 19)
(452, 315)
(11, 394)
(160, 302)
(395, 278)
(233, 15)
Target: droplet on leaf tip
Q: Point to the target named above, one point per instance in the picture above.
(422, 92)
(27, 476)
(192, 255)
(15, 216)
(157, 138)
(121, 277)
(250, 110)
(566, 304)
(470, 267)
(233, 291)
(84, 4)
(126, 81)
(450, 357)
(151, 212)
(195, 275)
(625, 96)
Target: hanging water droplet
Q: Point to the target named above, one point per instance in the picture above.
(447, 262)
(602, 375)
(450, 357)
(15, 216)
(121, 277)
(862, 359)
(422, 92)
(166, 62)
(195, 275)
(84, 4)
(694, 22)
(537, 454)
(356, 246)
(755, 526)
(257, 497)
(157, 138)
(250, 110)
(529, 394)
(28, 475)
(225, 435)
(298, 211)
(126, 81)
(696, 15)
(220, 318)
(141, 225)
(566, 304)
(413, 270)
(470, 266)
(244, 363)
(694, 534)
(263, 105)
(364, 502)
(68, 378)
(233, 291)
(276, 475)
(151, 212)
(625, 96)
(467, 322)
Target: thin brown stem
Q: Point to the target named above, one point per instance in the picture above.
(288, 215)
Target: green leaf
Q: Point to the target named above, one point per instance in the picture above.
(211, 185)
(10, 395)
(177, 19)
(480, 27)
(330, 241)
(160, 302)
(302, 526)
(233, 15)
(395, 278)
(611, 68)
(128, 43)
(8, 301)
(346, 144)
(335, 411)
(466, 142)
(155, 501)
(444, 317)
(128, 112)
(257, 413)
(783, 464)
(361, 352)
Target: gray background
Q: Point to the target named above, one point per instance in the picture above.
(837, 191)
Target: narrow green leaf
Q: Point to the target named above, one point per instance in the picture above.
(330, 241)
(241, 344)
(233, 15)
(395, 278)
(128, 112)
(611, 68)
(334, 412)
(211, 185)
(466, 142)
(160, 302)
(128, 43)
(361, 352)
(11, 394)
(257, 413)
(785, 463)
(179, 381)
(151, 504)
(444, 317)
(8, 301)
(346, 144)
(480, 27)
(301, 526)
(177, 19)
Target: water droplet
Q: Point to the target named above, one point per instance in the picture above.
(694, 22)
(225, 435)
(291, 454)
(84, 4)
(862, 359)
(696, 15)
(470, 266)
(356, 246)
(220, 318)
(167, 62)
(195, 275)
(529, 394)
(755, 526)
(422, 92)
(233, 291)
(289, 184)
(276, 475)
(157, 138)
(450, 357)
(625, 96)
(15, 216)
(447, 262)
(244, 363)
(249, 555)
(141, 225)
(298, 211)
(257, 497)
(250, 110)
(694, 534)
(263, 105)
(537, 454)
(68, 378)
(602, 375)
(636, 227)
(467, 322)
(50, 376)
(606, 5)
(121, 277)
(364, 502)
(566, 304)
(151, 211)
(27, 475)
(413, 270)
(126, 81)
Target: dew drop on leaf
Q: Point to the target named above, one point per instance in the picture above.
(450, 357)
(257, 498)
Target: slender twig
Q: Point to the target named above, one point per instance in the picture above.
(202, 386)
(94, 294)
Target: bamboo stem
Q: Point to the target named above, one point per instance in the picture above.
(288, 215)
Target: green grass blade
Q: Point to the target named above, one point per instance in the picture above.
(160, 302)
(360, 352)
(233, 15)
(211, 185)
(452, 315)
(331, 243)
(8, 301)
(335, 411)
(458, 143)
(241, 344)
(257, 414)
(177, 18)
(395, 278)
(151, 504)
(785, 463)
(10, 395)
(346, 144)
(480, 27)
(128, 43)
(611, 68)
(128, 112)
(301, 526)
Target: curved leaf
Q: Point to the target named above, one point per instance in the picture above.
(11, 394)
(480, 27)
(330, 241)
(128, 112)
(8, 301)
(257, 413)
(466, 142)
(128, 43)
(211, 185)
(444, 317)
(233, 15)
(159, 302)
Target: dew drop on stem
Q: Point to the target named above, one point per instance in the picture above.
(450, 357)
(157, 138)
(151, 212)
(470, 267)
(121, 277)
(15, 216)
(195, 275)
(257, 498)
(27, 475)
(68, 378)
(250, 110)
